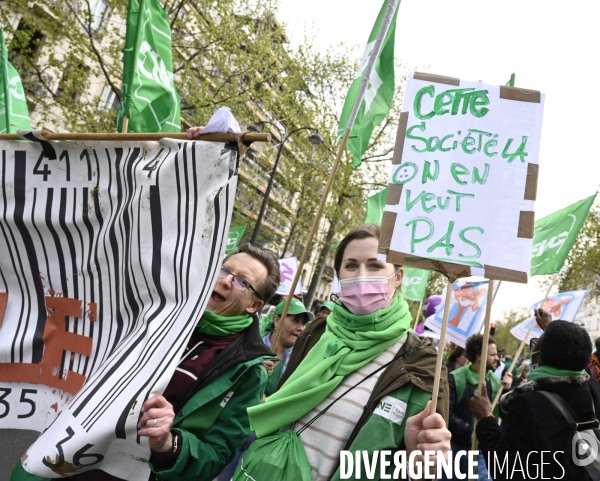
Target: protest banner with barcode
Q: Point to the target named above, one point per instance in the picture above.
(464, 179)
(109, 255)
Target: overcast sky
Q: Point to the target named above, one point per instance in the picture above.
(551, 46)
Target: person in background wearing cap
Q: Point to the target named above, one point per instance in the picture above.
(325, 310)
(296, 320)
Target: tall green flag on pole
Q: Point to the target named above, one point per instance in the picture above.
(379, 94)
(414, 283)
(554, 236)
(149, 97)
(14, 114)
(375, 206)
(234, 238)
(511, 82)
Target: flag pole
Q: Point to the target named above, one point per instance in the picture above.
(246, 137)
(385, 25)
(533, 323)
(125, 124)
(418, 315)
(440, 353)
(484, 351)
(4, 55)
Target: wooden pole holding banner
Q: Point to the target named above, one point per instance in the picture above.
(385, 25)
(440, 353)
(524, 341)
(311, 234)
(125, 125)
(484, 350)
(418, 315)
(216, 137)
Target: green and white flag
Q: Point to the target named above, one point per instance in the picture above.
(14, 114)
(371, 94)
(149, 97)
(234, 238)
(414, 283)
(554, 236)
(375, 206)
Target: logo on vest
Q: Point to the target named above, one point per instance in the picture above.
(392, 409)
(226, 399)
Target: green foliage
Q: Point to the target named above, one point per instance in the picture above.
(225, 53)
(504, 339)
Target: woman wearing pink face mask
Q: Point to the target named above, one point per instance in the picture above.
(364, 359)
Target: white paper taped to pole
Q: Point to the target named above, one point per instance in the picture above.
(109, 255)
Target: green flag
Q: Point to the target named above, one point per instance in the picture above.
(14, 114)
(554, 236)
(375, 206)
(234, 238)
(511, 82)
(414, 283)
(149, 97)
(374, 103)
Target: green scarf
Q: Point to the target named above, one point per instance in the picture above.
(542, 372)
(464, 375)
(215, 325)
(349, 342)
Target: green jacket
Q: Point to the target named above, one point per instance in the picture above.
(409, 377)
(213, 421)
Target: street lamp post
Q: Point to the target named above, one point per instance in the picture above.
(314, 139)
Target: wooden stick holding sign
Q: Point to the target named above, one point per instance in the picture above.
(484, 351)
(523, 342)
(440, 354)
(311, 234)
(418, 315)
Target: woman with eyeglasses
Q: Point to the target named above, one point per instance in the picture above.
(532, 424)
(363, 358)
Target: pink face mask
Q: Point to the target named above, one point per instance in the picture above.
(365, 295)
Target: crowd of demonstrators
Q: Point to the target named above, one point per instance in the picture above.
(366, 339)
(531, 422)
(463, 383)
(192, 433)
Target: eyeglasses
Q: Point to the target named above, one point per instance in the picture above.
(533, 342)
(239, 283)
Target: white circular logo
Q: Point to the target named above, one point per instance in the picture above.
(584, 449)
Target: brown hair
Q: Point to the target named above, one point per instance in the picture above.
(474, 346)
(360, 232)
(267, 288)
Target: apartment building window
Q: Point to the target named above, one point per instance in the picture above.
(26, 43)
(99, 10)
(72, 80)
(109, 99)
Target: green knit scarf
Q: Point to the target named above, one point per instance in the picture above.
(349, 342)
(215, 325)
(542, 372)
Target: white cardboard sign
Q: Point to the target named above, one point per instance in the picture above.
(464, 179)
(288, 268)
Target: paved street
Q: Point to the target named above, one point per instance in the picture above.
(13, 444)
